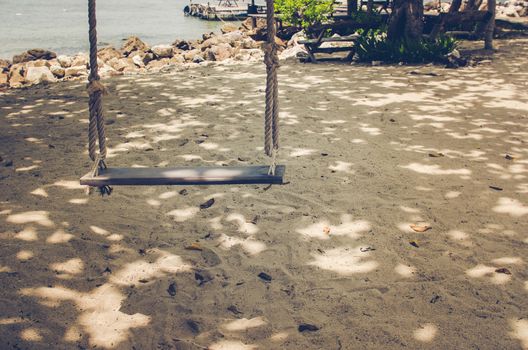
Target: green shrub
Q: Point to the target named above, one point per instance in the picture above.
(373, 45)
(304, 13)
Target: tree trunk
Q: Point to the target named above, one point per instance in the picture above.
(406, 20)
(490, 28)
(370, 6)
(352, 6)
(455, 6)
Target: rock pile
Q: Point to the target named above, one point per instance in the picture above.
(135, 56)
(513, 8)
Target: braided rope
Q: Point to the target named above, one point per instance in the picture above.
(271, 59)
(96, 129)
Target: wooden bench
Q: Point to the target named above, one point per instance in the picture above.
(313, 46)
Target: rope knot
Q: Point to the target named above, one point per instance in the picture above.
(95, 86)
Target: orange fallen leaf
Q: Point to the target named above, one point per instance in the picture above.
(194, 246)
(420, 228)
(326, 230)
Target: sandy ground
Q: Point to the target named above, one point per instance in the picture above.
(369, 151)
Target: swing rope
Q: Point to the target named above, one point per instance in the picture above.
(271, 118)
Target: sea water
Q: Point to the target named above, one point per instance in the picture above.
(62, 25)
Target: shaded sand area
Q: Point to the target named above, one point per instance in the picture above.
(369, 151)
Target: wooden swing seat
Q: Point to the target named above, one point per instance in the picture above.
(220, 175)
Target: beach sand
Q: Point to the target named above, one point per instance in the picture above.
(369, 152)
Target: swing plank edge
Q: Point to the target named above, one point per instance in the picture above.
(221, 175)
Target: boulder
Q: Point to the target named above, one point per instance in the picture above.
(118, 64)
(280, 43)
(157, 65)
(132, 44)
(183, 45)
(58, 71)
(33, 55)
(4, 80)
(41, 54)
(198, 59)
(163, 51)
(210, 43)
(107, 53)
(4, 65)
(37, 75)
(138, 61)
(228, 28)
(233, 38)
(296, 52)
(16, 75)
(65, 61)
(177, 59)
(220, 52)
(76, 71)
(189, 55)
(38, 63)
(248, 43)
(80, 59)
(207, 36)
(107, 71)
(149, 56)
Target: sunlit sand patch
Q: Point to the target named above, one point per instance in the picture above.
(459, 136)
(426, 333)
(457, 235)
(231, 345)
(344, 261)
(184, 214)
(435, 169)
(405, 270)
(31, 334)
(39, 217)
(28, 234)
(249, 245)
(4, 269)
(390, 98)
(481, 271)
(280, 336)
(28, 168)
(520, 331)
(409, 210)
(132, 273)
(40, 192)
(324, 230)
(508, 260)
(366, 128)
(510, 206)
(452, 194)
(11, 320)
(59, 237)
(153, 202)
(25, 255)
(167, 195)
(78, 201)
(70, 267)
(244, 324)
(99, 312)
(344, 167)
(216, 223)
(99, 230)
(301, 152)
(243, 225)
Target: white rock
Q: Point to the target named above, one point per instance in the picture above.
(293, 52)
(138, 61)
(36, 75)
(65, 61)
(58, 71)
(163, 51)
(76, 71)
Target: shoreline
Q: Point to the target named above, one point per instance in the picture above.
(234, 44)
